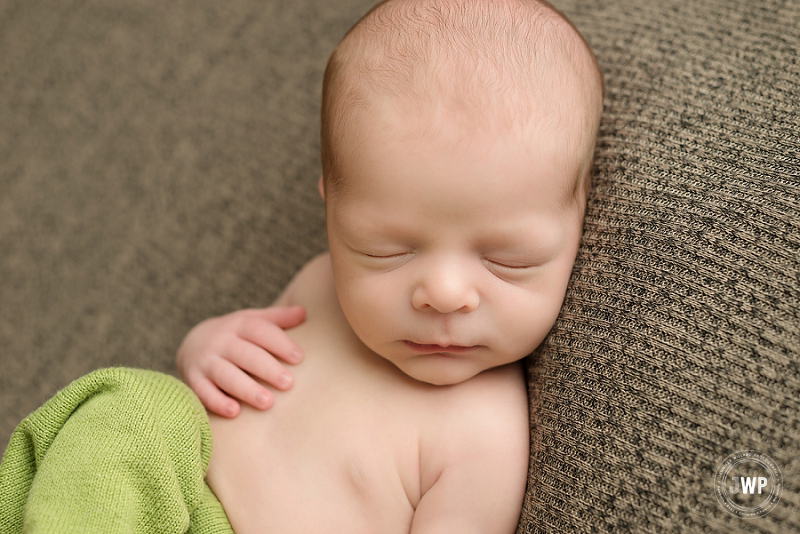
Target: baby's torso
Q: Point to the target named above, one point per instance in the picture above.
(338, 453)
(343, 451)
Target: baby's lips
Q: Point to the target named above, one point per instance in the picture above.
(436, 347)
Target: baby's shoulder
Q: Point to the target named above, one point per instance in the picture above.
(479, 451)
(312, 286)
(485, 414)
(495, 398)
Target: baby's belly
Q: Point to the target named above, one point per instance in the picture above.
(274, 472)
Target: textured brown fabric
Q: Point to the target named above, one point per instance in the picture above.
(158, 163)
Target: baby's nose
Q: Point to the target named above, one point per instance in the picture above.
(446, 290)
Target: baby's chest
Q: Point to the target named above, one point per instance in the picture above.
(366, 446)
(334, 464)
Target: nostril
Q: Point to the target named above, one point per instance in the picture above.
(445, 305)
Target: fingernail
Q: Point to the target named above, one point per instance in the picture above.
(261, 400)
(284, 379)
(231, 410)
(296, 355)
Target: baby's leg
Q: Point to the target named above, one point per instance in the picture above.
(118, 450)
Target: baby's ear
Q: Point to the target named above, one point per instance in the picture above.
(321, 186)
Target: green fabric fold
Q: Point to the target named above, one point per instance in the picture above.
(118, 450)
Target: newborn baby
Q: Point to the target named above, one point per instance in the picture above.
(457, 143)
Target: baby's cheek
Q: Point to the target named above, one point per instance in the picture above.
(367, 305)
(529, 320)
(369, 294)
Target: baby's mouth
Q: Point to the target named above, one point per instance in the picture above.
(433, 348)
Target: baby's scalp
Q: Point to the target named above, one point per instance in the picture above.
(489, 65)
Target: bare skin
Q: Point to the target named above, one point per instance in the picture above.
(452, 239)
(359, 446)
(409, 411)
(449, 259)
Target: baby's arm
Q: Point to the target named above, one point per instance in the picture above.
(480, 485)
(219, 355)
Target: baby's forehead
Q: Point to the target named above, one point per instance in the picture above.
(536, 130)
(452, 154)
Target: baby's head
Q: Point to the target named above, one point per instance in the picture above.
(457, 142)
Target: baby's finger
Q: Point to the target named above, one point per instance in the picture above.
(236, 383)
(259, 363)
(271, 338)
(212, 398)
(283, 316)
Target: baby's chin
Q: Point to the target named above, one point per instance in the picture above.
(440, 370)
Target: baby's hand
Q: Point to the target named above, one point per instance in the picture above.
(216, 356)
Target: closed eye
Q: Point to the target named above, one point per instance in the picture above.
(386, 256)
(509, 265)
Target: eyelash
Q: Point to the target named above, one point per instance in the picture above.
(492, 262)
(385, 257)
(512, 267)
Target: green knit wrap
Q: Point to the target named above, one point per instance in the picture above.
(118, 450)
